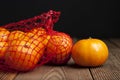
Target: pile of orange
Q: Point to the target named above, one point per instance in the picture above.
(23, 50)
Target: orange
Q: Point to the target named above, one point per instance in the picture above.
(37, 36)
(38, 31)
(4, 33)
(3, 49)
(15, 35)
(25, 52)
(22, 55)
(59, 47)
(90, 52)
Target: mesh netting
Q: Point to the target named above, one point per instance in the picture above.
(38, 21)
(22, 43)
(59, 46)
(33, 42)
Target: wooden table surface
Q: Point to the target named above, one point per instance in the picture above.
(109, 71)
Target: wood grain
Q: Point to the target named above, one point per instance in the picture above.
(57, 73)
(115, 41)
(36, 74)
(110, 44)
(75, 72)
(7, 75)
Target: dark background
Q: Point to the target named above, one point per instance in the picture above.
(79, 18)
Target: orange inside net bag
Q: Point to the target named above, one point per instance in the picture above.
(33, 42)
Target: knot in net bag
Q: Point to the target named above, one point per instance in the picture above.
(22, 43)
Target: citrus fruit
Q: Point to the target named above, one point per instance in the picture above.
(25, 51)
(59, 46)
(3, 49)
(4, 33)
(90, 52)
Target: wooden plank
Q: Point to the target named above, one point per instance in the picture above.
(75, 72)
(116, 41)
(7, 75)
(111, 69)
(110, 44)
(43, 73)
(35, 74)
(102, 74)
(56, 73)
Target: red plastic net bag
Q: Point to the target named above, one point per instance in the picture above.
(37, 21)
(59, 45)
(22, 43)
